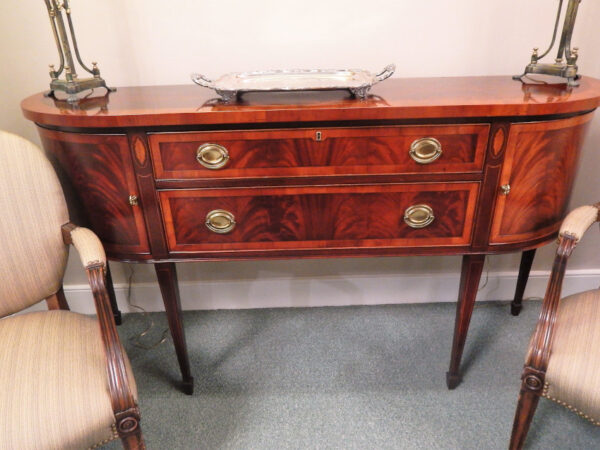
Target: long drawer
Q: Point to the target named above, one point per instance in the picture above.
(395, 215)
(318, 152)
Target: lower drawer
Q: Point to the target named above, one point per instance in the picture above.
(319, 217)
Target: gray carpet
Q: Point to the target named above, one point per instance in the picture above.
(343, 378)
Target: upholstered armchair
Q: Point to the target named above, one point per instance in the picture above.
(65, 381)
(563, 360)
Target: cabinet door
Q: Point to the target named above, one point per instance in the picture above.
(539, 166)
(97, 174)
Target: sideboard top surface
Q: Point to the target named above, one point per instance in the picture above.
(394, 99)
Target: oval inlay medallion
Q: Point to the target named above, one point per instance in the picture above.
(140, 151)
(498, 141)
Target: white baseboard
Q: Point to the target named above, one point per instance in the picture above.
(329, 291)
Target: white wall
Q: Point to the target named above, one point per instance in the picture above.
(151, 42)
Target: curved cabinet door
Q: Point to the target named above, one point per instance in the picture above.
(539, 167)
(97, 174)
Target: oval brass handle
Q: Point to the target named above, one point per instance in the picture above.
(505, 189)
(212, 156)
(418, 216)
(220, 221)
(425, 150)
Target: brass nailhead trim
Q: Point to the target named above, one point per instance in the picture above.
(569, 407)
(115, 435)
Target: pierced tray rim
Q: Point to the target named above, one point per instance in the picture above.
(229, 93)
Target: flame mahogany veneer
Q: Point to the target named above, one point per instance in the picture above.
(322, 175)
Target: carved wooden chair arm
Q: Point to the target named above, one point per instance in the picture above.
(571, 231)
(578, 221)
(93, 258)
(86, 243)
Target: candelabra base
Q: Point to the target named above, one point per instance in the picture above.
(74, 87)
(558, 70)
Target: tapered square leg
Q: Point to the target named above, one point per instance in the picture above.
(472, 267)
(167, 279)
(524, 269)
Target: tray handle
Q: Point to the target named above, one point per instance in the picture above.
(385, 73)
(203, 81)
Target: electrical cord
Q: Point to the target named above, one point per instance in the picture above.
(487, 274)
(136, 340)
(485, 282)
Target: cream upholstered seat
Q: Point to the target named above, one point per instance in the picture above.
(65, 381)
(56, 367)
(573, 374)
(563, 360)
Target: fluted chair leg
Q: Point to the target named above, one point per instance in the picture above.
(526, 407)
(134, 441)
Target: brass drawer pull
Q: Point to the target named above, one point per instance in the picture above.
(418, 216)
(212, 156)
(505, 189)
(220, 221)
(425, 150)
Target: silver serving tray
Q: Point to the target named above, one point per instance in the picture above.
(357, 81)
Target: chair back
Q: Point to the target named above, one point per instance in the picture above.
(33, 255)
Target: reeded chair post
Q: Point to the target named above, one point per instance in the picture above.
(534, 378)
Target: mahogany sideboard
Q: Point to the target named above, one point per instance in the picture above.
(434, 166)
